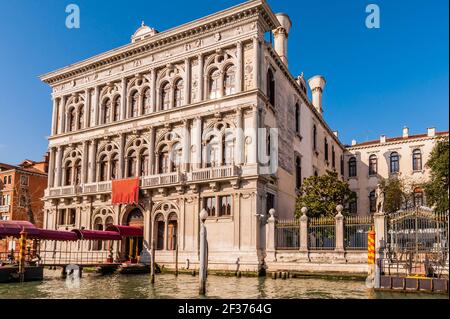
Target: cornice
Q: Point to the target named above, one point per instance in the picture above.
(254, 8)
(387, 144)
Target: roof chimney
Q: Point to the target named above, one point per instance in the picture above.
(354, 142)
(280, 35)
(405, 132)
(431, 132)
(336, 133)
(383, 139)
(316, 84)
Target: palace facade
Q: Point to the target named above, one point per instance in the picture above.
(191, 112)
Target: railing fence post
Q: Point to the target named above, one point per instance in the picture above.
(271, 237)
(339, 233)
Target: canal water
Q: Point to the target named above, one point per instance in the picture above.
(186, 287)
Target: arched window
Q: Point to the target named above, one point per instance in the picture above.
(172, 230)
(314, 137)
(106, 111)
(333, 157)
(80, 117)
(417, 160)
(297, 118)
(177, 156)
(228, 149)
(271, 87)
(116, 109)
(394, 163)
(164, 161)
(109, 222)
(143, 170)
(373, 165)
(353, 206)
(131, 161)
(298, 173)
(229, 80)
(72, 119)
(103, 169)
(178, 94)
(165, 96)
(418, 197)
(147, 101)
(135, 104)
(325, 145)
(115, 166)
(372, 202)
(213, 85)
(352, 167)
(212, 151)
(68, 174)
(98, 225)
(77, 172)
(160, 227)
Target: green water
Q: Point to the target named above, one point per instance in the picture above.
(185, 286)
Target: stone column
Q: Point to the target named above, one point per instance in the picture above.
(187, 82)
(85, 162)
(256, 62)
(379, 220)
(253, 156)
(186, 145)
(123, 99)
(198, 142)
(58, 164)
(55, 117)
(122, 156)
(151, 152)
(240, 67)
(96, 105)
(339, 219)
(304, 231)
(239, 148)
(62, 115)
(87, 108)
(201, 80)
(153, 91)
(271, 237)
(51, 168)
(92, 161)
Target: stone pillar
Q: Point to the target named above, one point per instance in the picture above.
(239, 149)
(85, 162)
(271, 237)
(58, 164)
(62, 115)
(187, 82)
(304, 231)
(201, 80)
(121, 156)
(55, 117)
(379, 220)
(240, 67)
(51, 168)
(87, 108)
(153, 91)
(256, 63)
(151, 152)
(198, 142)
(186, 145)
(253, 155)
(339, 219)
(123, 99)
(96, 105)
(92, 161)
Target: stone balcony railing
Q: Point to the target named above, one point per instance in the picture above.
(162, 179)
(4, 209)
(212, 173)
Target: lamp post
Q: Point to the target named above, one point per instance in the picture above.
(203, 252)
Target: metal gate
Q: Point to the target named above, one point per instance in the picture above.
(417, 243)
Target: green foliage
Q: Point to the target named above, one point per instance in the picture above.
(321, 195)
(394, 195)
(436, 189)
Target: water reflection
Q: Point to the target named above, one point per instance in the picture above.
(186, 287)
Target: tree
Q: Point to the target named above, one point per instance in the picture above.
(321, 195)
(437, 188)
(394, 194)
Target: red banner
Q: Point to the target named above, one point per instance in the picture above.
(125, 191)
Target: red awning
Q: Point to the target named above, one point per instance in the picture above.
(47, 234)
(13, 229)
(125, 191)
(127, 231)
(96, 235)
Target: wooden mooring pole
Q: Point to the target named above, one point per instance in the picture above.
(203, 253)
(22, 253)
(152, 262)
(176, 259)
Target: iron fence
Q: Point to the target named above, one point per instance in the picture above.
(287, 234)
(321, 233)
(356, 230)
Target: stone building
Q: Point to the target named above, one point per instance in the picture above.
(22, 189)
(403, 157)
(190, 112)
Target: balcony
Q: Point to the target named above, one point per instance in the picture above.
(213, 173)
(4, 209)
(100, 187)
(161, 179)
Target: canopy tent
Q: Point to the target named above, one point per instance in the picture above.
(96, 234)
(126, 231)
(47, 234)
(14, 228)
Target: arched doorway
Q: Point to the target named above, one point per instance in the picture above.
(172, 230)
(134, 245)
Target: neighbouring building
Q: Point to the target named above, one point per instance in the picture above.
(22, 190)
(189, 112)
(404, 157)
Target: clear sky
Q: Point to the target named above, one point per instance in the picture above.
(378, 80)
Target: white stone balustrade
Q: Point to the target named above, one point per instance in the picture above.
(213, 173)
(161, 179)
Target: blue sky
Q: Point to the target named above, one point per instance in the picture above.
(378, 80)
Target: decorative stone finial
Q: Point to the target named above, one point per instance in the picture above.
(339, 209)
(304, 210)
(203, 215)
(142, 23)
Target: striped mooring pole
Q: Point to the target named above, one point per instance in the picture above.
(22, 254)
(371, 255)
